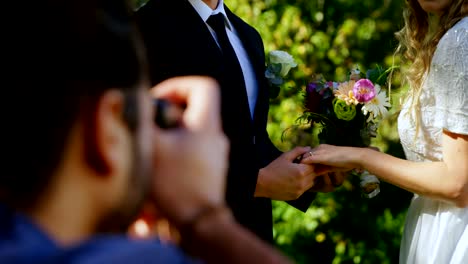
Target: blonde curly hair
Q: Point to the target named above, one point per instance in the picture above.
(418, 41)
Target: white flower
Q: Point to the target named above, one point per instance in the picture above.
(377, 107)
(284, 59)
(345, 92)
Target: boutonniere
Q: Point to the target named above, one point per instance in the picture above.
(279, 63)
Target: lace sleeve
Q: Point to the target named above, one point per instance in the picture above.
(449, 78)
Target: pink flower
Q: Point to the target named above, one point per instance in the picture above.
(364, 90)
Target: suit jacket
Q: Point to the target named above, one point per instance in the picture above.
(179, 43)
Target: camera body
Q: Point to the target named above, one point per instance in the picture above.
(167, 114)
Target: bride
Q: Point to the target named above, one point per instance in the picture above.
(433, 128)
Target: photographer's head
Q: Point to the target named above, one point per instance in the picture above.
(78, 117)
(79, 141)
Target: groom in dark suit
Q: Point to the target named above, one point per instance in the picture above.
(203, 37)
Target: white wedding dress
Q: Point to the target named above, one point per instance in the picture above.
(436, 232)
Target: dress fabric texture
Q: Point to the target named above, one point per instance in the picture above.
(437, 231)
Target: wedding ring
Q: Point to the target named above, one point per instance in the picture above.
(310, 153)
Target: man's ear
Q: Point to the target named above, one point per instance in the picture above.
(105, 132)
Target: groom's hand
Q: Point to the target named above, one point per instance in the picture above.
(329, 182)
(284, 179)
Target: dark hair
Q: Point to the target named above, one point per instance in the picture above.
(60, 57)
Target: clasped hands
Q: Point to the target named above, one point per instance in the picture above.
(288, 177)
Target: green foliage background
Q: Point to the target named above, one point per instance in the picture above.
(331, 37)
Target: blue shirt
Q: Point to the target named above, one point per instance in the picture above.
(21, 241)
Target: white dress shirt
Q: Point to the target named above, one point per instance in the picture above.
(249, 74)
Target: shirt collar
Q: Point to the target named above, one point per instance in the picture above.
(205, 11)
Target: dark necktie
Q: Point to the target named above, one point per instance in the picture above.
(233, 71)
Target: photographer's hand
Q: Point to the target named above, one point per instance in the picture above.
(190, 160)
(189, 185)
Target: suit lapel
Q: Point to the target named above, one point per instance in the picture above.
(249, 41)
(256, 55)
(204, 49)
(196, 36)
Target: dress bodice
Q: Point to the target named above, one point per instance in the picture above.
(437, 231)
(443, 99)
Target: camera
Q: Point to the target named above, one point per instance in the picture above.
(168, 115)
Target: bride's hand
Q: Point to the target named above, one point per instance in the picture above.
(334, 158)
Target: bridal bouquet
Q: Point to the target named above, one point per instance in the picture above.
(348, 113)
